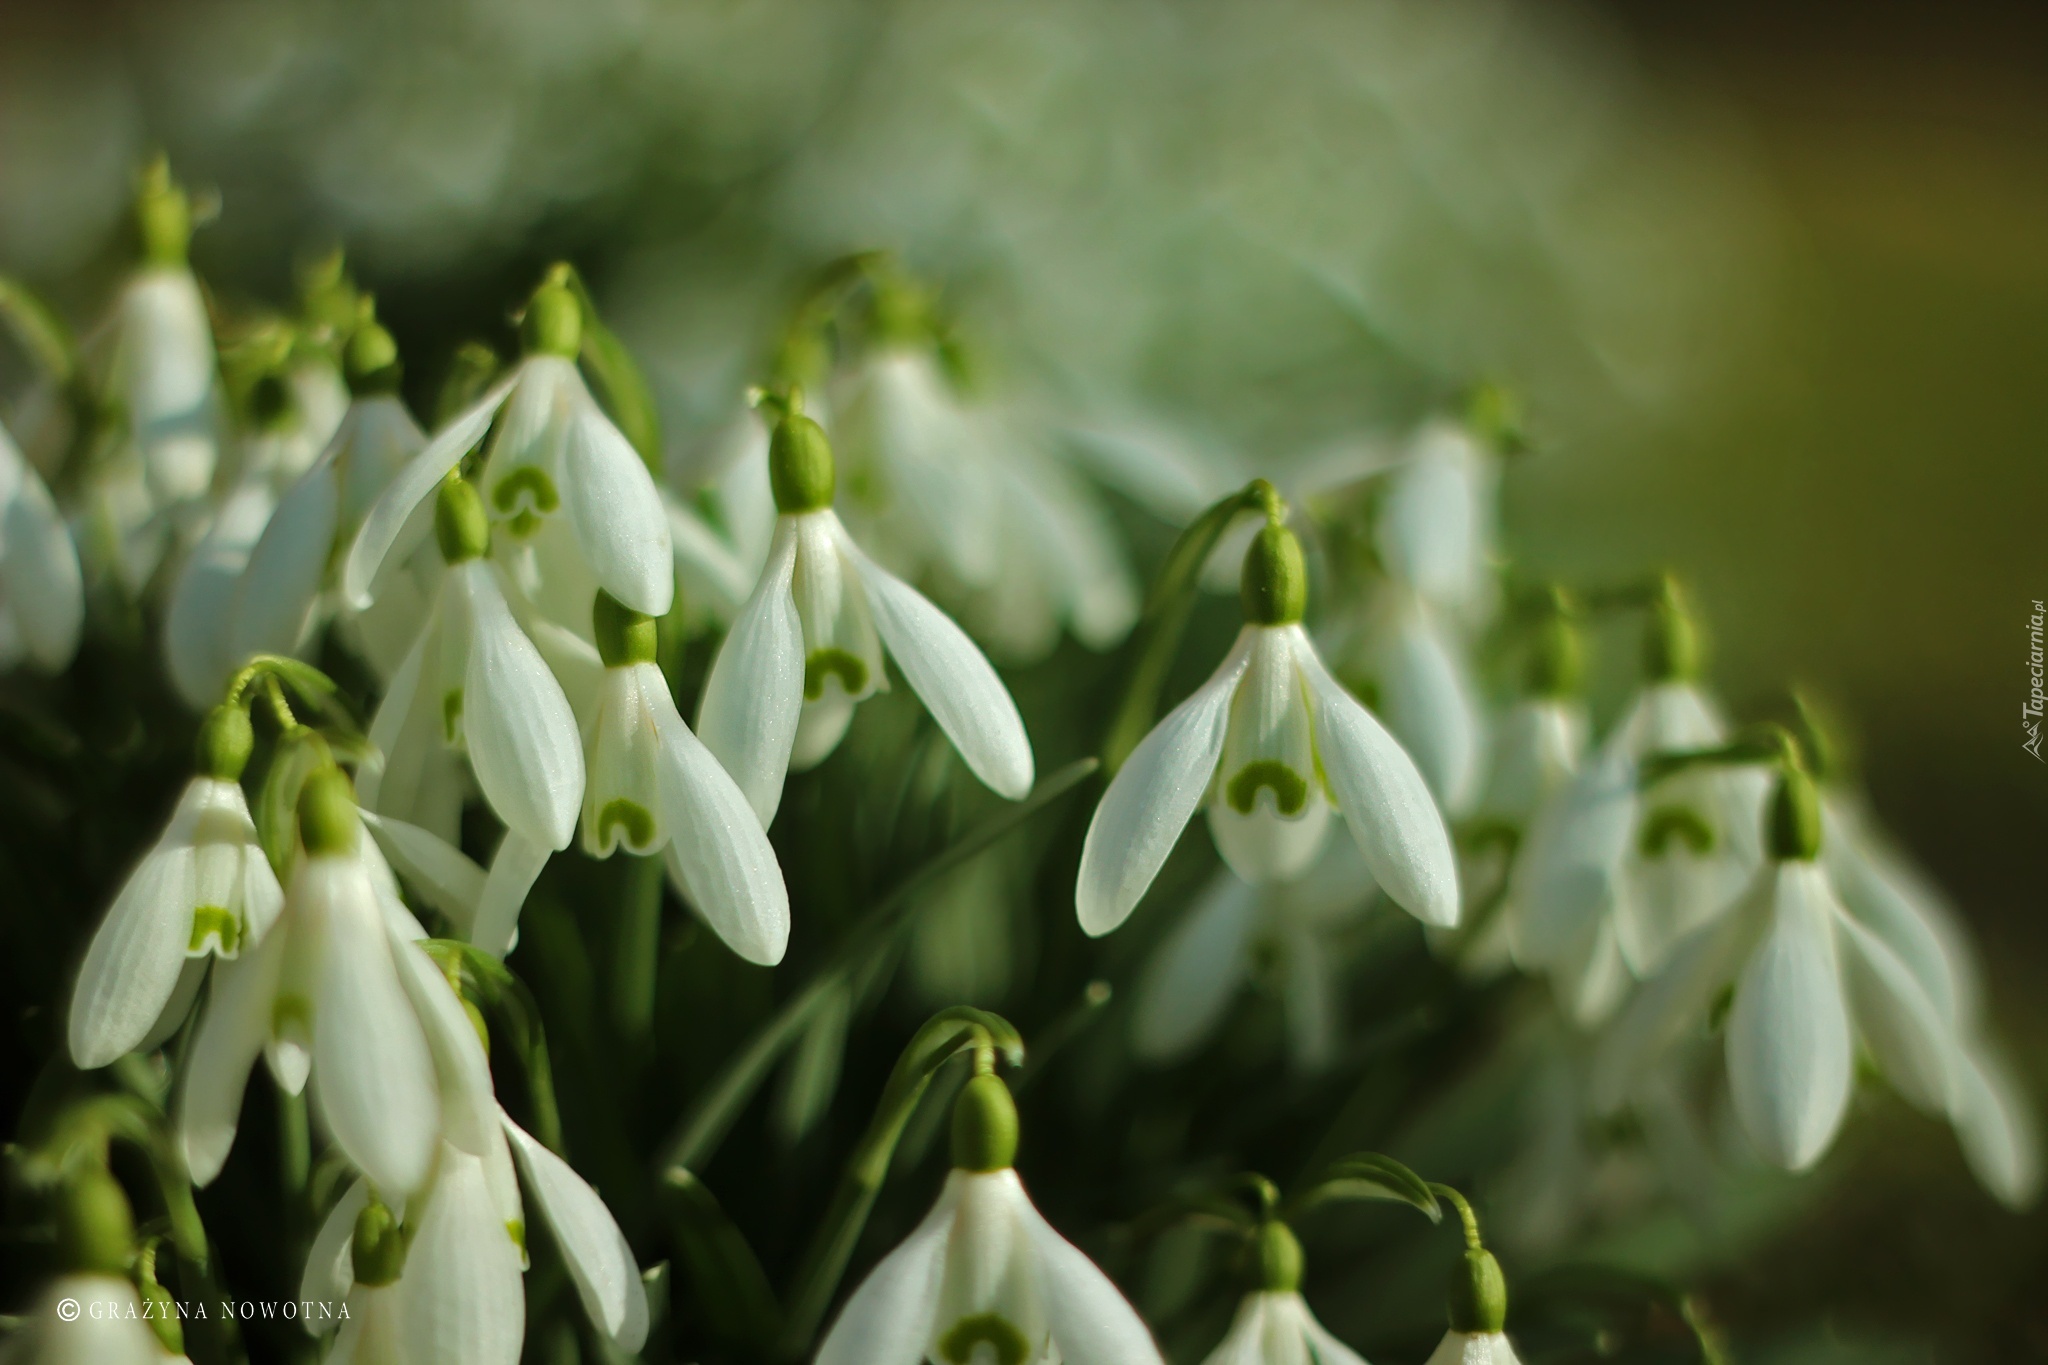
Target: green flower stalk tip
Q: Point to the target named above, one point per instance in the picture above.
(225, 741)
(1280, 1258)
(1478, 1299)
(1557, 660)
(327, 813)
(371, 360)
(1274, 588)
(984, 1126)
(800, 465)
(1671, 644)
(378, 1246)
(1793, 824)
(624, 636)
(95, 1227)
(553, 324)
(163, 215)
(460, 526)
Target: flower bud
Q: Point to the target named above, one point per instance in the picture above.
(378, 1247)
(460, 526)
(163, 215)
(800, 465)
(624, 636)
(371, 360)
(1793, 823)
(1478, 1298)
(225, 740)
(1274, 588)
(553, 324)
(1280, 1259)
(984, 1126)
(95, 1228)
(328, 822)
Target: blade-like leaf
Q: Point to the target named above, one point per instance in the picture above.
(732, 1290)
(1369, 1175)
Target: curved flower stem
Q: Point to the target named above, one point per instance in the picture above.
(1465, 1214)
(705, 1125)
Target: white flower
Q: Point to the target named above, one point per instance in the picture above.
(1809, 981)
(1277, 1328)
(985, 1278)
(555, 457)
(1199, 968)
(1434, 531)
(807, 648)
(1474, 1348)
(1423, 689)
(87, 1320)
(42, 593)
(1610, 876)
(199, 617)
(337, 990)
(655, 788)
(288, 586)
(204, 890)
(1272, 743)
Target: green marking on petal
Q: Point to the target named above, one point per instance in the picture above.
(1289, 788)
(530, 480)
(1665, 823)
(451, 715)
(523, 523)
(1717, 1013)
(516, 1230)
(214, 924)
(823, 663)
(291, 1016)
(630, 816)
(998, 1331)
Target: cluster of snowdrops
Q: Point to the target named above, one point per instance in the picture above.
(1715, 912)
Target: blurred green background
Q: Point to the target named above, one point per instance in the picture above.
(1771, 277)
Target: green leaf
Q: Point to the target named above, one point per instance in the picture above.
(46, 339)
(811, 1078)
(1369, 1175)
(732, 1290)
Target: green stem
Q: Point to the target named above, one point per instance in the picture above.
(636, 951)
(1465, 1214)
(706, 1123)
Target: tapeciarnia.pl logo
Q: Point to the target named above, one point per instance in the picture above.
(2030, 713)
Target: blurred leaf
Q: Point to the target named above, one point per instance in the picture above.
(732, 1290)
(811, 1078)
(471, 370)
(46, 339)
(1369, 1175)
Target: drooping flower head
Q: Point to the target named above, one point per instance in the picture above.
(42, 592)
(1272, 744)
(808, 647)
(1273, 1325)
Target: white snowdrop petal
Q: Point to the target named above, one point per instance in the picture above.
(1564, 879)
(469, 1105)
(135, 959)
(1151, 798)
(86, 1320)
(521, 732)
(373, 1075)
(40, 581)
(1092, 1323)
(179, 1007)
(1193, 975)
(283, 576)
(446, 877)
(1914, 1046)
(617, 512)
(951, 677)
(888, 1320)
(514, 868)
(1790, 1057)
(1890, 906)
(1383, 799)
(1999, 1129)
(717, 851)
(1430, 704)
(330, 1266)
(599, 1260)
(712, 571)
(1328, 1350)
(231, 1032)
(392, 521)
(755, 691)
(200, 610)
(461, 1299)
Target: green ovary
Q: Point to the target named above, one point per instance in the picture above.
(959, 1342)
(216, 923)
(539, 493)
(1289, 788)
(451, 715)
(1666, 823)
(630, 816)
(823, 663)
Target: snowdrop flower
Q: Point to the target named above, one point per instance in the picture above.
(1228, 933)
(204, 891)
(42, 593)
(1273, 744)
(1478, 1304)
(984, 1277)
(1416, 671)
(654, 788)
(91, 1314)
(336, 992)
(807, 648)
(1612, 876)
(287, 588)
(474, 680)
(1434, 528)
(1809, 982)
(555, 458)
(1273, 1325)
